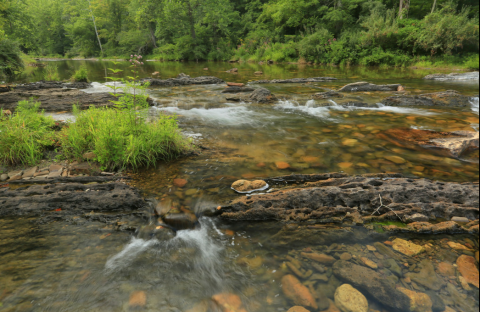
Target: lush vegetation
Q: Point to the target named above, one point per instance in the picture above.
(368, 32)
(25, 135)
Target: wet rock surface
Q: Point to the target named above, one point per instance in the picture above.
(441, 99)
(369, 87)
(327, 95)
(457, 143)
(62, 201)
(453, 76)
(184, 80)
(236, 89)
(295, 80)
(55, 100)
(342, 198)
(372, 283)
(262, 95)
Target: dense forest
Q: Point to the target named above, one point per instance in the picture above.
(367, 32)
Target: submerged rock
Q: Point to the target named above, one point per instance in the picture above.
(457, 143)
(427, 276)
(297, 292)
(443, 99)
(181, 221)
(229, 302)
(454, 76)
(370, 282)
(407, 248)
(296, 80)
(348, 299)
(327, 95)
(369, 87)
(419, 302)
(468, 268)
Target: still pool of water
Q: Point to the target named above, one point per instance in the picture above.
(88, 267)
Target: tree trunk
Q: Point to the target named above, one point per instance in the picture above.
(192, 21)
(152, 35)
(434, 5)
(400, 13)
(95, 25)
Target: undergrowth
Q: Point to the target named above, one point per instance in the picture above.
(25, 135)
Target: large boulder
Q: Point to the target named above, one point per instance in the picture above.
(369, 87)
(440, 99)
(244, 186)
(348, 299)
(262, 95)
(370, 282)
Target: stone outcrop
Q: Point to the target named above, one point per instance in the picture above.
(457, 143)
(441, 99)
(370, 282)
(184, 80)
(369, 87)
(454, 76)
(54, 100)
(46, 85)
(296, 80)
(262, 95)
(339, 197)
(235, 89)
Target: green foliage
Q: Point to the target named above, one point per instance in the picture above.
(26, 135)
(51, 72)
(10, 58)
(472, 62)
(81, 75)
(118, 142)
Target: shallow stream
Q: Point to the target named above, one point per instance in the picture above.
(90, 267)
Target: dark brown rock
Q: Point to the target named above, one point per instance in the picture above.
(442, 99)
(296, 80)
(327, 95)
(368, 87)
(235, 89)
(370, 282)
(262, 95)
(184, 81)
(336, 197)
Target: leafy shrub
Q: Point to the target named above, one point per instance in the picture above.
(25, 135)
(81, 75)
(10, 58)
(472, 62)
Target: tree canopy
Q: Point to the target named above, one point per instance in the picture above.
(329, 31)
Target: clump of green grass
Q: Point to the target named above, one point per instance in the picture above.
(122, 138)
(81, 75)
(25, 135)
(51, 72)
(472, 62)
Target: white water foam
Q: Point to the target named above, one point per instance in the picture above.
(225, 116)
(309, 108)
(128, 254)
(475, 104)
(97, 87)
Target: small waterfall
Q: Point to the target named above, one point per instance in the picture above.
(310, 103)
(333, 102)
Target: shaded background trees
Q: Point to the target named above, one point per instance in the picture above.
(324, 31)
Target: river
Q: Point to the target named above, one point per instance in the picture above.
(86, 266)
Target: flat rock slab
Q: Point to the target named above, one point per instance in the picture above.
(54, 100)
(296, 80)
(369, 87)
(184, 80)
(45, 85)
(440, 99)
(454, 76)
(457, 143)
(73, 198)
(331, 197)
(235, 89)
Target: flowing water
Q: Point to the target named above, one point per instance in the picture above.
(89, 267)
